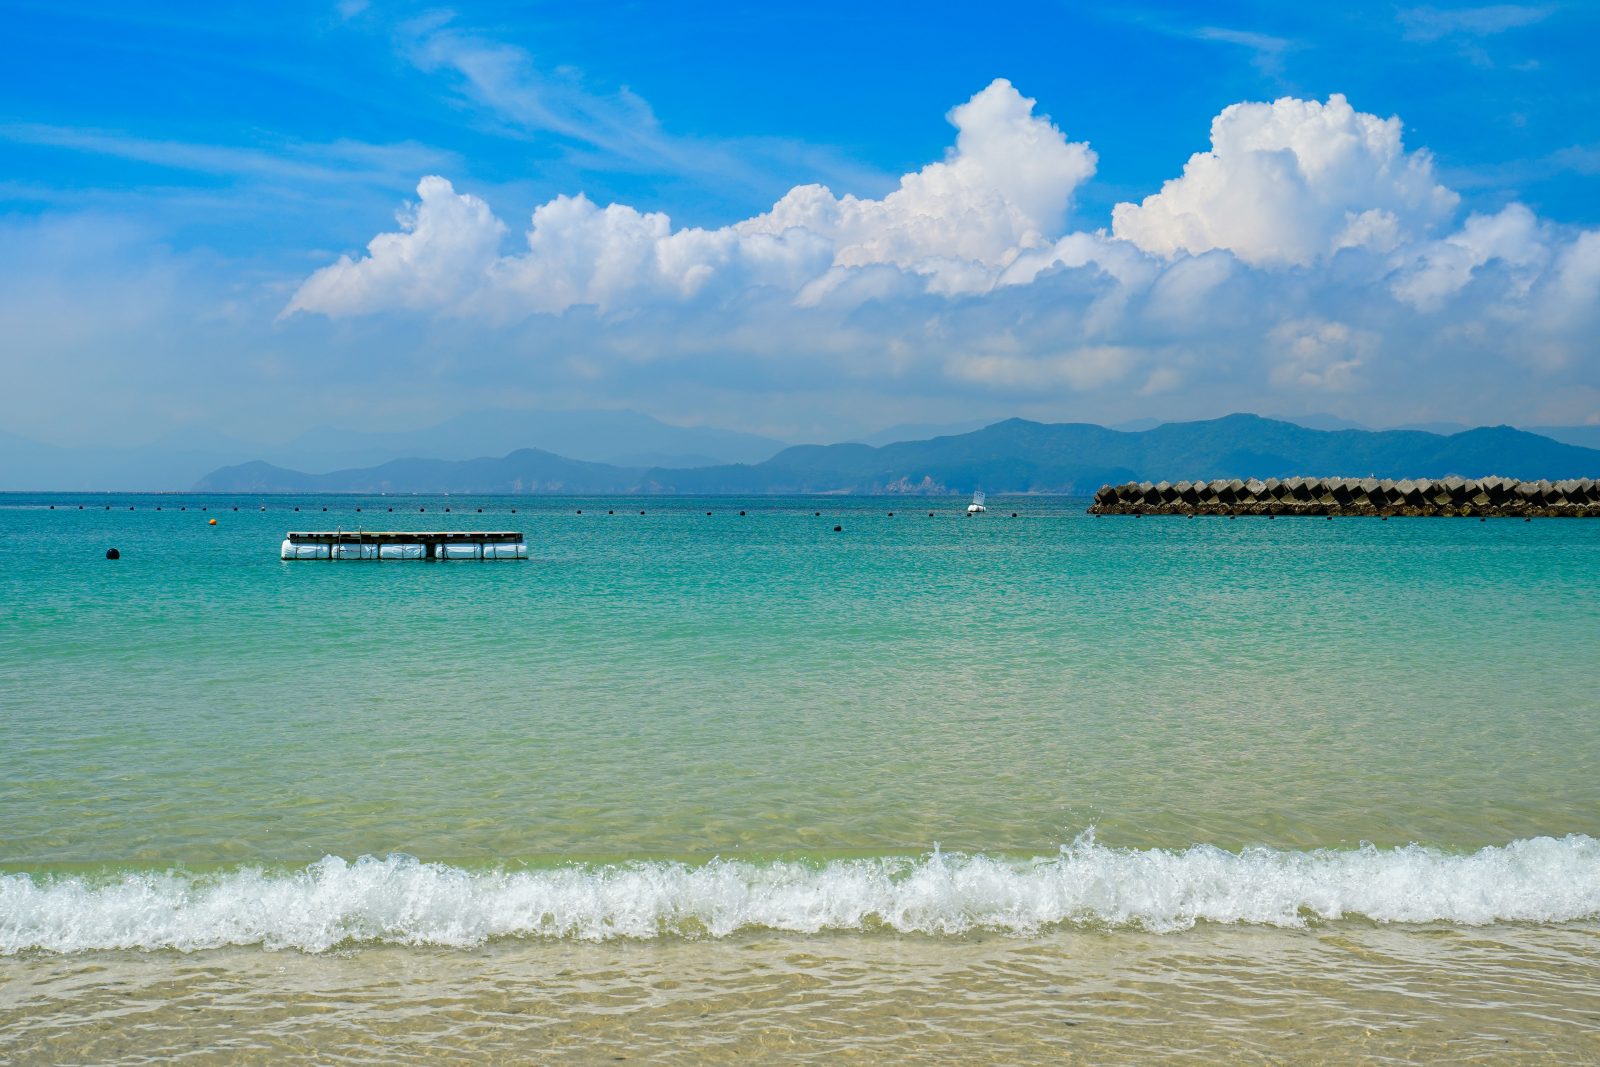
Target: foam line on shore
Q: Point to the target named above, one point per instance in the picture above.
(400, 900)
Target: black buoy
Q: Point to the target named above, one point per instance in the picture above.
(641, 511)
(391, 509)
(480, 511)
(513, 511)
(611, 511)
(324, 509)
(52, 507)
(708, 513)
(1013, 514)
(580, 511)
(446, 510)
(891, 514)
(297, 509)
(930, 514)
(838, 529)
(112, 553)
(263, 507)
(818, 514)
(419, 509)
(741, 513)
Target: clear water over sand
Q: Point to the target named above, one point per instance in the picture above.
(718, 785)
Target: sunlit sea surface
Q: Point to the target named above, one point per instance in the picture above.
(708, 780)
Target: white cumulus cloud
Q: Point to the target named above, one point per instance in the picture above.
(1307, 251)
(1290, 183)
(1317, 354)
(1003, 190)
(446, 247)
(1439, 269)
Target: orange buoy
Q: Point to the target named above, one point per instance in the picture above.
(213, 522)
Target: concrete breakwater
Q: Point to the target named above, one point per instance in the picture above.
(1498, 497)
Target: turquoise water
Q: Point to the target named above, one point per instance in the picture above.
(724, 788)
(923, 723)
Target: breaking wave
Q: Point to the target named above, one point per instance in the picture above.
(400, 900)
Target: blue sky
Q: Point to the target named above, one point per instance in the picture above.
(180, 180)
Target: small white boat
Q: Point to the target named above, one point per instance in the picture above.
(976, 507)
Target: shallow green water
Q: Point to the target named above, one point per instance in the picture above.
(1225, 789)
(678, 684)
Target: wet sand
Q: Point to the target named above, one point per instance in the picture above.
(1343, 992)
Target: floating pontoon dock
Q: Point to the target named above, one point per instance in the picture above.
(405, 544)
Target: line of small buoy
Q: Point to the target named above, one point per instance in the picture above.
(422, 509)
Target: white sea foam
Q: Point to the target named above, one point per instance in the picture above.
(401, 900)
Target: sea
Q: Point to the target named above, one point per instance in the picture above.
(804, 779)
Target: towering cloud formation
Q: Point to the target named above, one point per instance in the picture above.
(1306, 250)
(1004, 189)
(442, 255)
(1290, 183)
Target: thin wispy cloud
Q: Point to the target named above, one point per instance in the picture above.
(1267, 50)
(1432, 23)
(340, 162)
(1573, 159)
(610, 127)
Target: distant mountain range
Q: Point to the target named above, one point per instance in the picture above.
(620, 438)
(638, 446)
(1014, 456)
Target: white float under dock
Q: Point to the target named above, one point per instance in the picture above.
(405, 544)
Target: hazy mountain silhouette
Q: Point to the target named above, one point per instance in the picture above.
(1011, 456)
(621, 438)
